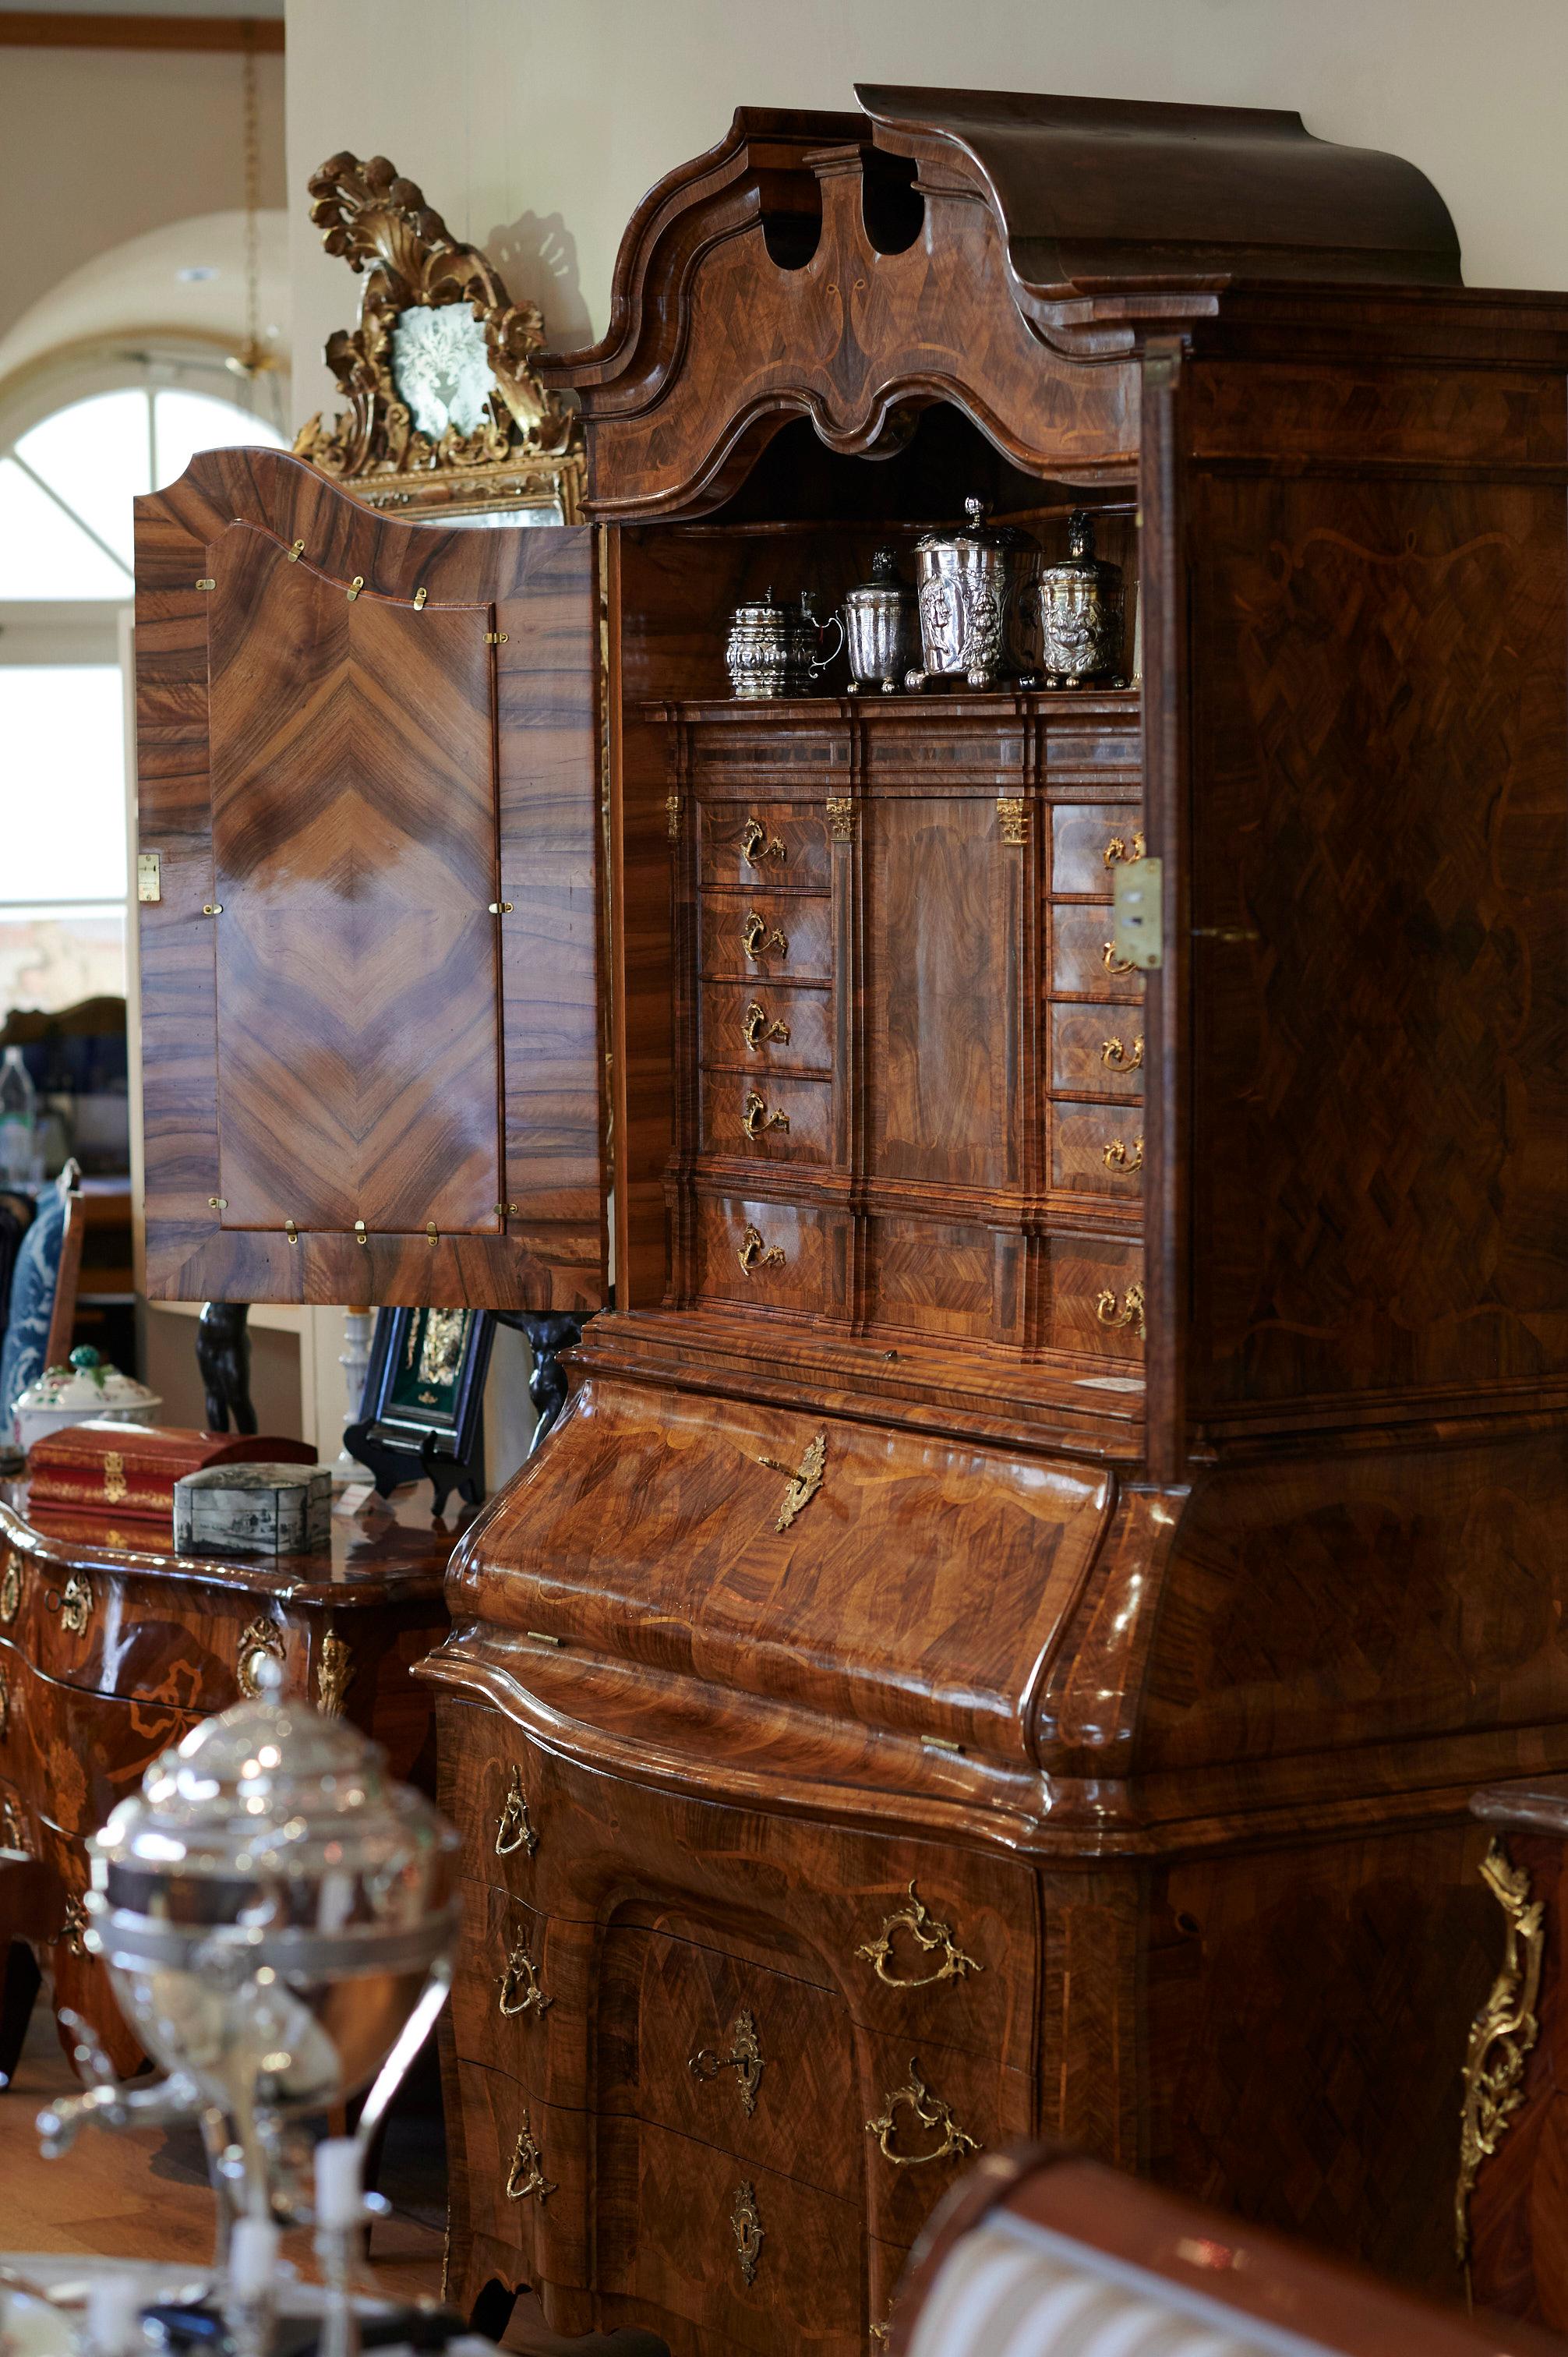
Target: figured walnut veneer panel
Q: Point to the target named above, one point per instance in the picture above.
(870, 1605)
(354, 855)
(351, 779)
(1380, 1097)
(941, 1008)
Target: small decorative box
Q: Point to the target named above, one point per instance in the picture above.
(254, 1510)
(127, 1471)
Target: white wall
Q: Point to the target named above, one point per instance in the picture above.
(102, 145)
(536, 130)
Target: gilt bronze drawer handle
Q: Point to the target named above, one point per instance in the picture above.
(746, 2225)
(927, 1933)
(1502, 2035)
(755, 1024)
(745, 2059)
(73, 1602)
(71, 1936)
(334, 1670)
(1120, 848)
(804, 1482)
(263, 1641)
(756, 844)
(755, 1116)
(11, 1588)
(515, 1829)
(4, 1705)
(1118, 1156)
(1114, 1053)
(526, 2175)
(1131, 1312)
(930, 2112)
(1112, 963)
(520, 1988)
(759, 938)
(14, 1833)
(753, 1252)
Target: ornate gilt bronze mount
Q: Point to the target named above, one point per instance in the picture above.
(929, 1935)
(1502, 2036)
(445, 411)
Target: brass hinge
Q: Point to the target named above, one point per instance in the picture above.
(149, 875)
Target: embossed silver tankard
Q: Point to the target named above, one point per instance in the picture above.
(966, 589)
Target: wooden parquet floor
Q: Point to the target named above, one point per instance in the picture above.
(145, 2196)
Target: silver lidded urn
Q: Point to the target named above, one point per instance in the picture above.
(278, 1917)
(774, 650)
(881, 627)
(1080, 609)
(966, 580)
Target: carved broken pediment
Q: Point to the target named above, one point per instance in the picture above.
(444, 409)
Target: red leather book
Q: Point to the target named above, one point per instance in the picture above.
(129, 1471)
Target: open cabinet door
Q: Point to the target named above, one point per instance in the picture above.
(368, 767)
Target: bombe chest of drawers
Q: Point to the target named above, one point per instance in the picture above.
(1069, 1500)
(112, 1648)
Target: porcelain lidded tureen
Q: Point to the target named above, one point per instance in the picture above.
(88, 1387)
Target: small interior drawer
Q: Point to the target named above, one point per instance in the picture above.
(1096, 1055)
(1083, 960)
(768, 1027)
(771, 1255)
(1097, 1297)
(1099, 1150)
(767, 1117)
(1088, 842)
(762, 934)
(779, 846)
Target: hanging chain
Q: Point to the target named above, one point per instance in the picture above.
(254, 360)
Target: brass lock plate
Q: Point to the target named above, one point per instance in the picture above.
(1137, 915)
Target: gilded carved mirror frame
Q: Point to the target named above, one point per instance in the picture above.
(524, 448)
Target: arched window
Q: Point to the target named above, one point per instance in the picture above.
(67, 483)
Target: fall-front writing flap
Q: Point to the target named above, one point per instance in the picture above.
(369, 760)
(887, 1577)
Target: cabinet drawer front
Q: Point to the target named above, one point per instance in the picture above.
(1088, 840)
(1097, 1297)
(772, 1255)
(755, 2259)
(769, 1027)
(1083, 961)
(765, 935)
(775, 1117)
(928, 2111)
(1098, 1150)
(526, 2168)
(74, 1754)
(731, 2054)
(924, 1941)
(520, 1994)
(778, 846)
(1096, 1055)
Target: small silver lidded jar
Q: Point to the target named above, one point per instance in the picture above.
(774, 649)
(1080, 609)
(881, 627)
(966, 591)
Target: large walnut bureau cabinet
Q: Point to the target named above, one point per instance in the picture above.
(1002, 1639)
